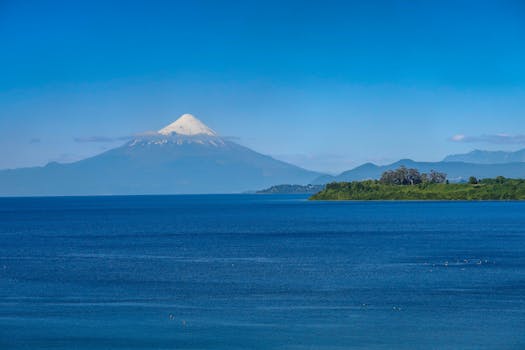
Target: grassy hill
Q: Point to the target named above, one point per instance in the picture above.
(487, 189)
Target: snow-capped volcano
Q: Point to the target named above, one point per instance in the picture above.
(184, 157)
(187, 125)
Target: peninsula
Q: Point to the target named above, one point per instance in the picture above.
(409, 184)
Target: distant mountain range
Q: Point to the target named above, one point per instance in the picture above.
(456, 171)
(488, 157)
(184, 157)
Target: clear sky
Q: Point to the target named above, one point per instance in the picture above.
(324, 84)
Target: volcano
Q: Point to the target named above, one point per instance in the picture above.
(184, 157)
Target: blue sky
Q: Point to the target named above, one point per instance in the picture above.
(324, 84)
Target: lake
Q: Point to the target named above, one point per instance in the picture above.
(260, 272)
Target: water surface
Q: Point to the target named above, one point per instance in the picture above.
(260, 272)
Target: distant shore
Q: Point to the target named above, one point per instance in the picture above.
(292, 189)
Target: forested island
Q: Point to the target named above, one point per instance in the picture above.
(410, 184)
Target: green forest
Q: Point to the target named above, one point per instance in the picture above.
(408, 184)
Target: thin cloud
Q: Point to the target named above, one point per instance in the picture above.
(101, 139)
(145, 133)
(35, 140)
(232, 138)
(67, 158)
(108, 139)
(499, 139)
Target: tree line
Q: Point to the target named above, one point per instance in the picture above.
(411, 176)
(499, 188)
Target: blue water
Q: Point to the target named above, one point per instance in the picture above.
(260, 272)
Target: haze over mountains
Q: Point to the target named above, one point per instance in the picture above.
(184, 157)
(488, 157)
(189, 157)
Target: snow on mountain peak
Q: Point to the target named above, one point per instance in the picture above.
(188, 125)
